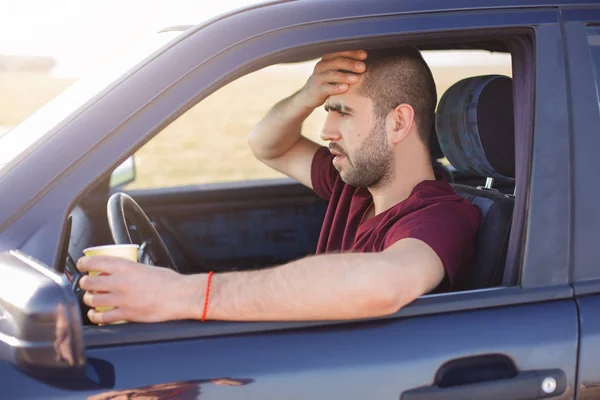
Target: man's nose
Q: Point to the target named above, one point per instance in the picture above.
(330, 131)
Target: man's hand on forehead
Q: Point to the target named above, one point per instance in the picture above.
(354, 54)
(333, 75)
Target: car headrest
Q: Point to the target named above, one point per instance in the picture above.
(475, 126)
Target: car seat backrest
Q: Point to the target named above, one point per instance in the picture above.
(475, 129)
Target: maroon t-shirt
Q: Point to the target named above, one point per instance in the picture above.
(433, 213)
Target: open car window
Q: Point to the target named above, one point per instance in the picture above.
(208, 144)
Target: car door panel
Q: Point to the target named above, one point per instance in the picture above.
(588, 382)
(582, 41)
(235, 226)
(377, 359)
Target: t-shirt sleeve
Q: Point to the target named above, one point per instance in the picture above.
(323, 174)
(448, 228)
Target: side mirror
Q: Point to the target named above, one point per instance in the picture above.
(40, 324)
(123, 174)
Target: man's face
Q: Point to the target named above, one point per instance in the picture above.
(358, 138)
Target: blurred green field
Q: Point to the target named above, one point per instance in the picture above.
(208, 143)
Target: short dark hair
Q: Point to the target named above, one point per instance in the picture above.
(401, 76)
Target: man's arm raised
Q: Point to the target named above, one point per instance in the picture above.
(322, 287)
(277, 141)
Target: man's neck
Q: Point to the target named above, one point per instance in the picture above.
(399, 187)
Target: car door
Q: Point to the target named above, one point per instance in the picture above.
(233, 225)
(582, 31)
(512, 342)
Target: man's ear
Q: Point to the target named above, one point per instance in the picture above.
(401, 120)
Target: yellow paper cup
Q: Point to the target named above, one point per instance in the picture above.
(127, 251)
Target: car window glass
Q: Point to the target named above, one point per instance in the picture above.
(43, 119)
(208, 144)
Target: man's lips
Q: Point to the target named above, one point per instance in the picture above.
(336, 153)
(339, 156)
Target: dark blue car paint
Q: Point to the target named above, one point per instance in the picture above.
(367, 359)
(588, 377)
(585, 120)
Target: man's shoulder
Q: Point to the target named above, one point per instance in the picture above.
(440, 195)
(437, 203)
(447, 216)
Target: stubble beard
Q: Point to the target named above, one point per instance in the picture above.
(372, 165)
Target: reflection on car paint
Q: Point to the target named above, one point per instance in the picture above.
(185, 390)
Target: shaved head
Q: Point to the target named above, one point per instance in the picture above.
(400, 76)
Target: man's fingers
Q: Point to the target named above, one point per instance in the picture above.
(356, 54)
(100, 299)
(331, 90)
(340, 63)
(106, 283)
(106, 317)
(106, 264)
(339, 77)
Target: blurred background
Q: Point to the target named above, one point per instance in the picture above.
(46, 46)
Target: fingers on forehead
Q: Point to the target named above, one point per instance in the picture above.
(344, 64)
(355, 54)
(332, 90)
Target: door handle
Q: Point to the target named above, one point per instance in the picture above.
(526, 385)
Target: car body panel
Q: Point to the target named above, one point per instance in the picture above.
(376, 360)
(582, 45)
(534, 324)
(585, 108)
(588, 374)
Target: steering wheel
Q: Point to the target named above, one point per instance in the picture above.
(122, 208)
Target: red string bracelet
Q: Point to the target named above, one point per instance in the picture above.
(210, 274)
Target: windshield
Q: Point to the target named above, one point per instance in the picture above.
(35, 127)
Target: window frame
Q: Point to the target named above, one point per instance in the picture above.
(584, 107)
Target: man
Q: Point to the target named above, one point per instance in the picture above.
(392, 232)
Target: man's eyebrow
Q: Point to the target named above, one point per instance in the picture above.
(338, 107)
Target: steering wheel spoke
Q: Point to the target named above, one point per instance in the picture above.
(153, 251)
(146, 255)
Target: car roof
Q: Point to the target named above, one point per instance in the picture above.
(390, 6)
(442, 5)
(428, 5)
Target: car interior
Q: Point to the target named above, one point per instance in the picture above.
(248, 225)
